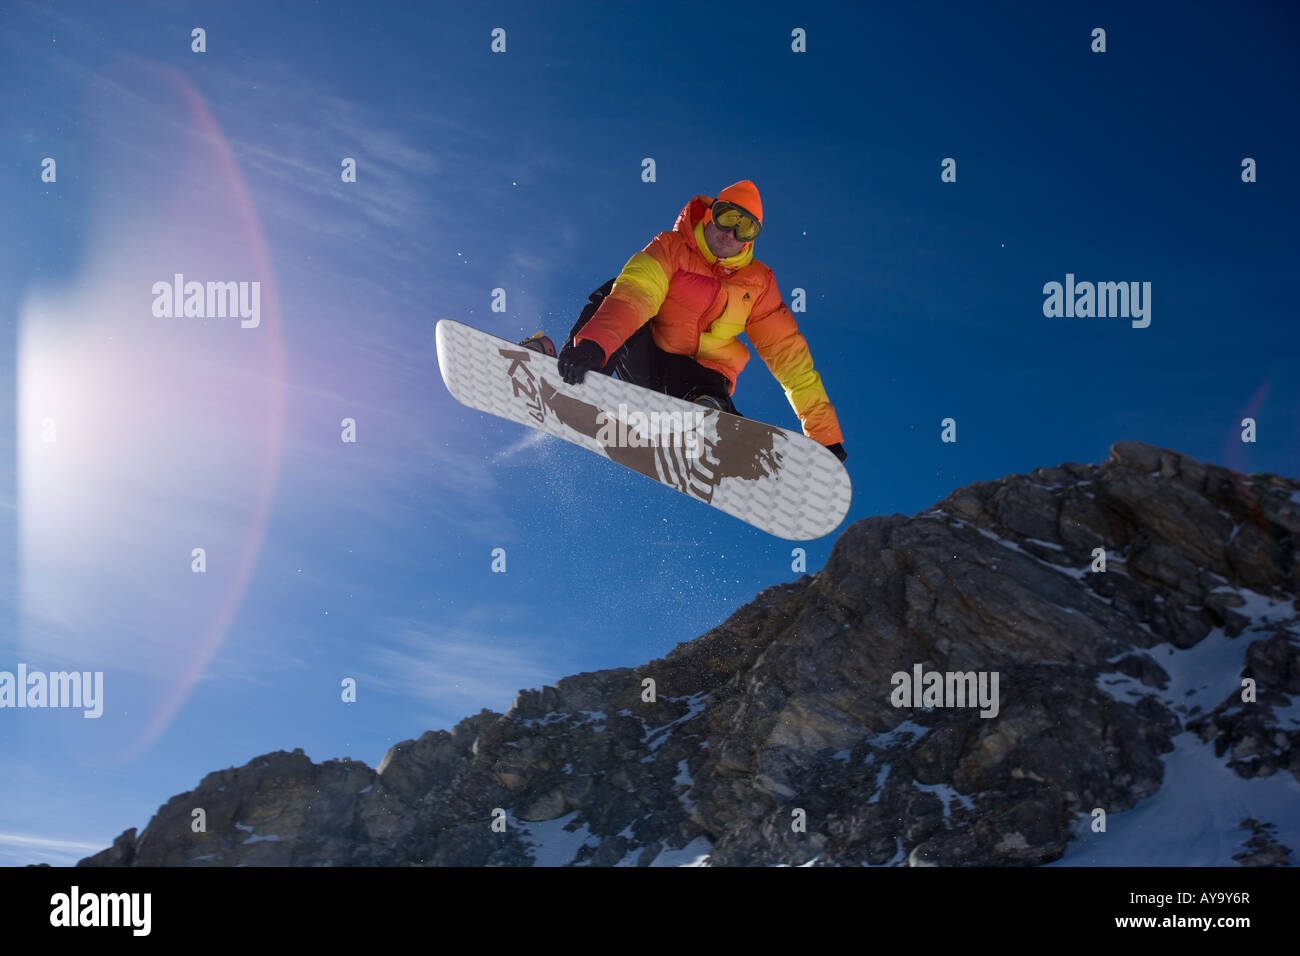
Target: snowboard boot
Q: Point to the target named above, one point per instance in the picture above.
(711, 400)
(540, 343)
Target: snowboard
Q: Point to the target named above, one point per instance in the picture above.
(774, 479)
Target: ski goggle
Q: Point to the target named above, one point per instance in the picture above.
(731, 218)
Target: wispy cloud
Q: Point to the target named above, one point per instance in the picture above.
(461, 666)
(20, 849)
(406, 470)
(426, 181)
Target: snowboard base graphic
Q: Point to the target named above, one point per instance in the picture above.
(777, 480)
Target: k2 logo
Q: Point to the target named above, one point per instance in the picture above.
(524, 383)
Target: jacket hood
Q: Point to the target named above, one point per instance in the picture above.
(690, 224)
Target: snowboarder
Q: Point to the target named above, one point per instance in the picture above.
(670, 320)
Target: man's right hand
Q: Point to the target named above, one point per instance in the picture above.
(576, 361)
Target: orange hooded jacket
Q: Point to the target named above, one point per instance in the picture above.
(697, 304)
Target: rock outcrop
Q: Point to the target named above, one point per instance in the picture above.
(777, 737)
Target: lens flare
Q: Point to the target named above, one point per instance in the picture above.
(148, 444)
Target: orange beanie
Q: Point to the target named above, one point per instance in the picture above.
(745, 195)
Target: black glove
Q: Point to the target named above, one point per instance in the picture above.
(575, 361)
(838, 450)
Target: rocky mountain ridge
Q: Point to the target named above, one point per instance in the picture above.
(778, 738)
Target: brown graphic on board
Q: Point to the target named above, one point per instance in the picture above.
(586, 419)
(744, 449)
(747, 448)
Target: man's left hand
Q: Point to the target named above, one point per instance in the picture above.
(575, 361)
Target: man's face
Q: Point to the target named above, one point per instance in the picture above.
(721, 243)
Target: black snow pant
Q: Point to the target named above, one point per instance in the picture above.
(640, 361)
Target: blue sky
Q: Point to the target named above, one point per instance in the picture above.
(522, 170)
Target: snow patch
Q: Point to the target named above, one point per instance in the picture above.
(881, 774)
(595, 717)
(1045, 544)
(550, 843)
(1200, 677)
(695, 853)
(686, 781)
(1289, 715)
(1071, 572)
(947, 794)
(1192, 819)
(683, 778)
(695, 707)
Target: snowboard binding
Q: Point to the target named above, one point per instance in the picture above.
(540, 342)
